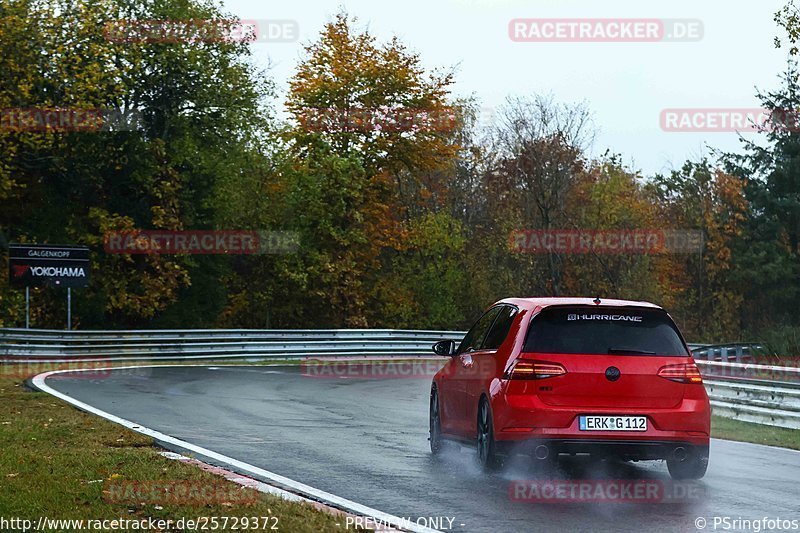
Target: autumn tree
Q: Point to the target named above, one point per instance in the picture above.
(610, 197)
(706, 199)
(368, 122)
(538, 156)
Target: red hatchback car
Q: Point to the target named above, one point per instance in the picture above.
(551, 376)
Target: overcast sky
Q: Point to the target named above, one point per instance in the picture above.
(625, 85)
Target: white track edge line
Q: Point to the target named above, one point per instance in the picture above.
(306, 490)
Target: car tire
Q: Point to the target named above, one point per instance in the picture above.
(693, 467)
(435, 423)
(487, 446)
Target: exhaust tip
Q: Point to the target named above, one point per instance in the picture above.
(679, 454)
(541, 452)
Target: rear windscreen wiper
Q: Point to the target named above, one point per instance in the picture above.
(628, 351)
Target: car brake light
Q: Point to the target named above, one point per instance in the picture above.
(682, 373)
(535, 370)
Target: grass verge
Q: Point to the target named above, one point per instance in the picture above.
(727, 428)
(57, 461)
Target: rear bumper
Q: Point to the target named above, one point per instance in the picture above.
(521, 419)
(625, 449)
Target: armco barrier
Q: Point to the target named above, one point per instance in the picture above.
(757, 393)
(47, 345)
(728, 353)
(771, 405)
(764, 394)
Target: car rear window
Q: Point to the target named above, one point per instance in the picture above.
(593, 330)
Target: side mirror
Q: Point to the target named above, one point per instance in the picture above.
(445, 348)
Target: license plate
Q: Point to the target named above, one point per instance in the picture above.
(613, 423)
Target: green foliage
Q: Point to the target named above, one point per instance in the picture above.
(782, 342)
(700, 197)
(767, 257)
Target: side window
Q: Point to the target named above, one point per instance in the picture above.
(476, 334)
(500, 329)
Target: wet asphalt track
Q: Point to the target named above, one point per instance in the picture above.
(366, 440)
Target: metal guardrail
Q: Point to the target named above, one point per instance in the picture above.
(754, 373)
(773, 406)
(744, 390)
(50, 335)
(763, 394)
(728, 353)
(18, 345)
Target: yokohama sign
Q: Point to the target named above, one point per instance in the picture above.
(35, 265)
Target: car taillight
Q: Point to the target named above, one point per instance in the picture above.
(682, 373)
(535, 370)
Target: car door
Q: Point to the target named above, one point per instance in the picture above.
(463, 367)
(484, 364)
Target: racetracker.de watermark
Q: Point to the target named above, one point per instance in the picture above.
(377, 119)
(605, 30)
(202, 31)
(177, 492)
(101, 368)
(232, 242)
(606, 491)
(66, 119)
(92, 369)
(729, 120)
(575, 241)
(395, 369)
(787, 371)
(328, 368)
